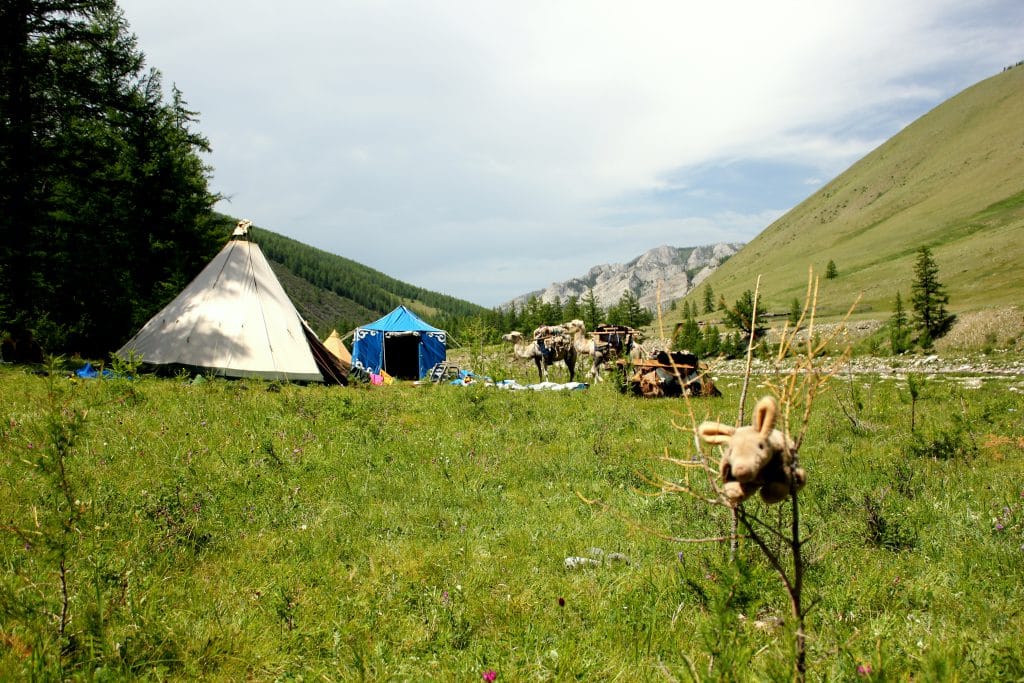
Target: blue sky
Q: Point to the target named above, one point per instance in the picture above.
(486, 149)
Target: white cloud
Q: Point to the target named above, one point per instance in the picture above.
(390, 132)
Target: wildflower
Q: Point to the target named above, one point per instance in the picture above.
(863, 669)
(490, 675)
(999, 526)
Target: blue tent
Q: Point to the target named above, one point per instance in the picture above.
(399, 343)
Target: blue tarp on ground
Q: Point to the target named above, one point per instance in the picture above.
(87, 371)
(401, 344)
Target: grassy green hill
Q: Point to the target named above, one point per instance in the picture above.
(331, 291)
(953, 181)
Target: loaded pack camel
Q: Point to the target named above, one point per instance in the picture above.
(544, 350)
(601, 352)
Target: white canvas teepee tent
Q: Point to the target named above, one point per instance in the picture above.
(235, 320)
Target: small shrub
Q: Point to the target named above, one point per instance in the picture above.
(907, 479)
(882, 530)
(942, 445)
(989, 345)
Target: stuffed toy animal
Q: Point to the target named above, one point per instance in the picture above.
(757, 457)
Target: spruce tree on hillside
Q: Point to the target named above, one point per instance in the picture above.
(928, 299)
(628, 311)
(688, 336)
(796, 309)
(533, 314)
(740, 315)
(553, 311)
(592, 313)
(709, 299)
(712, 341)
(831, 272)
(104, 206)
(899, 328)
(571, 309)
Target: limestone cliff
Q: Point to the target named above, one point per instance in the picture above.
(678, 269)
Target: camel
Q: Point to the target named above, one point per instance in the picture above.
(601, 353)
(532, 351)
(586, 346)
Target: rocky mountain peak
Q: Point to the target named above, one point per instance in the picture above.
(677, 269)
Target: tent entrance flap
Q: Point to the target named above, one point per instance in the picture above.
(401, 355)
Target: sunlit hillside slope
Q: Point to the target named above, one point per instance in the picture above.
(952, 180)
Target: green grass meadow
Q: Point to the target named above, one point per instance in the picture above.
(233, 530)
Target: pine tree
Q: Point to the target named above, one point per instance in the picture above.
(795, 311)
(104, 206)
(899, 331)
(688, 336)
(628, 311)
(571, 309)
(709, 299)
(831, 272)
(741, 314)
(928, 299)
(592, 312)
(533, 313)
(553, 312)
(712, 341)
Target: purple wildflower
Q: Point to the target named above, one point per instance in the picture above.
(490, 675)
(863, 669)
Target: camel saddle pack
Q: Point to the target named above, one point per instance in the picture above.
(552, 338)
(617, 338)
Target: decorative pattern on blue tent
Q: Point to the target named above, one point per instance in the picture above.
(401, 344)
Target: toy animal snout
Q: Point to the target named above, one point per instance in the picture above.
(747, 460)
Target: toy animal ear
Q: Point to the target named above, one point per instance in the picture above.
(715, 432)
(764, 416)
